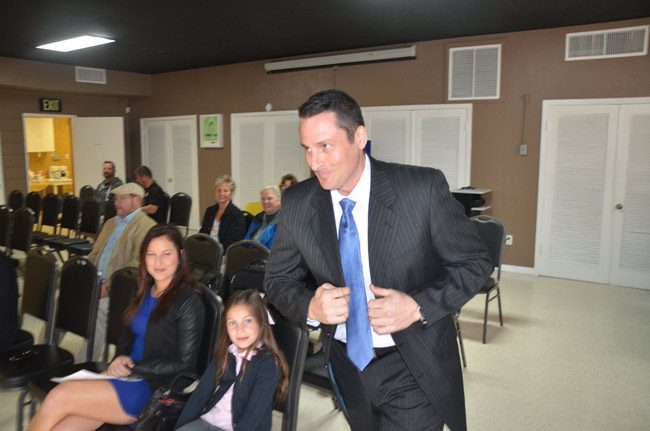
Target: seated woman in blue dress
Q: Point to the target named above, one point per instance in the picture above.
(265, 225)
(162, 339)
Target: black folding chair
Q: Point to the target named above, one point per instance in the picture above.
(88, 227)
(86, 192)
(50, 211)
(492, 231)
(292, 341)
(239, 255)
(16, 200)
(21, 230)
(76, 313)
(122, 287)
(33, 201)
(201, 249)
(38, 295)
(180, 207)
(6, 222)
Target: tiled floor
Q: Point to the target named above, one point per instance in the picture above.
(570, 356)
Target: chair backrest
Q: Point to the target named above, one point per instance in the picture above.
(213, 310)
(180, 206)
(39, 287)
(21, 230)
(165, 208)
(109, 209)
(86, 193)
(251, 277)
(241, 254)
(6, 222)
(15, 200)
(78, 300)
(33, 201)
(123, 285)
(70, 213)
(209, 277)
(91, 210)
(293, 342)
(492, 231)
(51, 209)
(203, 250)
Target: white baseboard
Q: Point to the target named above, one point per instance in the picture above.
(519, 269)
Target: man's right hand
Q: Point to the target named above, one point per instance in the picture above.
(330, 304)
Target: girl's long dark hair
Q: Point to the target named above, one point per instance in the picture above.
(258, 310)
(146, 281)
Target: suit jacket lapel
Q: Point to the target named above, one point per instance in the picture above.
(323, 228)
(382, 221)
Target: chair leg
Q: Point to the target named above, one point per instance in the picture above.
(485, 315)
(499, 301)
(20, 410)
(459, 335)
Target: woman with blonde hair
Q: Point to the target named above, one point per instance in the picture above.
(223, 221)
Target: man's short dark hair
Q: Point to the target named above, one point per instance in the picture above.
(348, 113)
(143, 171)
(110, 163)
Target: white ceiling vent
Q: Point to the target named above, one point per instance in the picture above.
(617, 42)
(474, 72)
(90, 75)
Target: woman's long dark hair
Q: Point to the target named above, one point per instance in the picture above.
(258, 310)
(146, 281)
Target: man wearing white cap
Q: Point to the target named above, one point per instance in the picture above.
(118, 246)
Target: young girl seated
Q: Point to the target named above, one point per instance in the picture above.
(237, 390)
(162, 339)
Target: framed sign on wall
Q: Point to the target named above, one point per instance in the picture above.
(211, 130)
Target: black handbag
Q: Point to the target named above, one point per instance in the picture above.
(166, 405)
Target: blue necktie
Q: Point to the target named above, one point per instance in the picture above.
(359, 337)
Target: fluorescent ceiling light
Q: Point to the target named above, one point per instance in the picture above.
(330, 60)
(75, 43)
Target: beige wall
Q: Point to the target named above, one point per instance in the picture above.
(533, 64)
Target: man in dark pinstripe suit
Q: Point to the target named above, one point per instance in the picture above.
(421, 258)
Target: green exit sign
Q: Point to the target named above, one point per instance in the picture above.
(49, 105)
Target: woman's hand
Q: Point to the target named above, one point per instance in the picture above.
(120, 367)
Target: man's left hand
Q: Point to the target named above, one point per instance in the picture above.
(391, 310)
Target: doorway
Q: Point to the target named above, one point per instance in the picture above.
(63, 152)
(593, 219)
(48, 153)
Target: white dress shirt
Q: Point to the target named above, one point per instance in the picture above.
(361, 196)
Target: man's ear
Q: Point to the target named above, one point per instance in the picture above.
(360, 137)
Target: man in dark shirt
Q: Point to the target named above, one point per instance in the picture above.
(109, 183)
(155, 199)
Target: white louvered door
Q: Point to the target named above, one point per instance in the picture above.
(265, 146)
(389, 133)
(169, 149)
(594, 157)
(631, 253)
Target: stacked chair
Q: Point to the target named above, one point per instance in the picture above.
(204, 256)
(76, 312)
(180, 207)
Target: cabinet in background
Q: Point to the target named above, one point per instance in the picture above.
(39, 135)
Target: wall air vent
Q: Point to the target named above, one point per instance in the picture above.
(90, 75)
(612, 43)
(474, 72)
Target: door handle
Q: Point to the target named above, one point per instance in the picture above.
(619, 206)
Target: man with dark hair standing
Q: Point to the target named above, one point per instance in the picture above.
(406, 258)
(155, 201)
(109, 183)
